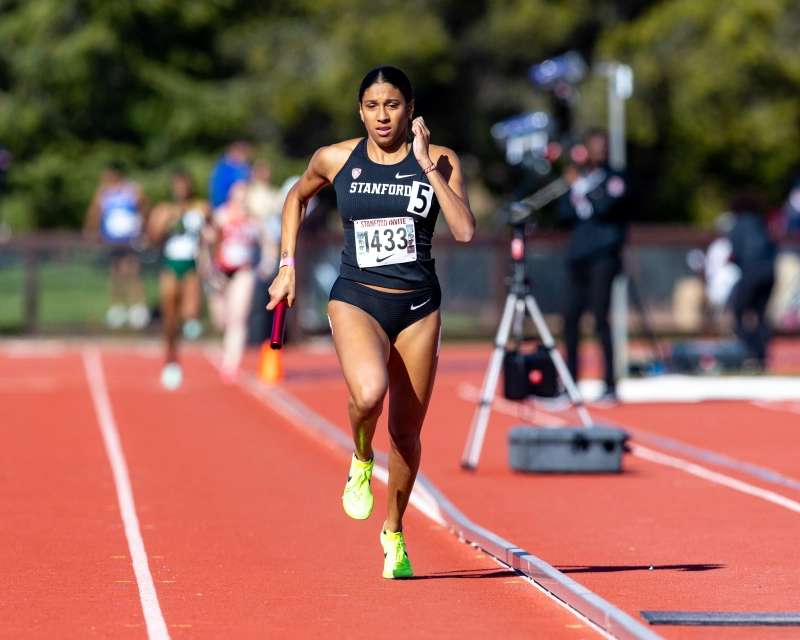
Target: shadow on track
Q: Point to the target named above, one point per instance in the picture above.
(643, 567)
(467, 574)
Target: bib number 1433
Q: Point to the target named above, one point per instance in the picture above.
(383, 241)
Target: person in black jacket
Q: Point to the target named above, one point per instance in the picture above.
(754, 253)
(591, 209)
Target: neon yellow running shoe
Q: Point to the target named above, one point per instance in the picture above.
(357, 499)
(395, 557)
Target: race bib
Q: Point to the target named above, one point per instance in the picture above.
(122, 223)
(235, 254)
(193, 221)
(182, 247)
(383, 241)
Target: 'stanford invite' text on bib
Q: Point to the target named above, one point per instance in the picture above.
(388, 213)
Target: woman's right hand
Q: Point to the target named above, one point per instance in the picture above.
(282, 288)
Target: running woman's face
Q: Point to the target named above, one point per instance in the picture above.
(385, 113)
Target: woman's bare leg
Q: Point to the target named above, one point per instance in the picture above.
(363, 351)
(130, 268)
(170, 293)
(412, 370)
(238, 297)
(216, 309)
(115, 288)
(191, 296)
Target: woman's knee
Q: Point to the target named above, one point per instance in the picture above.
(406, 441)
(405, 437)
(367, 397)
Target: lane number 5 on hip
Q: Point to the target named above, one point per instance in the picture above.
(421, 199)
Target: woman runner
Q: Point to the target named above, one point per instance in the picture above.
(236, 233)
(177, 226)
(384, 308)
(118, 211)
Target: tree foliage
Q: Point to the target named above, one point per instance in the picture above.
(156, 83)
(717, 100)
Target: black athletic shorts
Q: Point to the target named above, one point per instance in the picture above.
(118, 251)
(393, 311)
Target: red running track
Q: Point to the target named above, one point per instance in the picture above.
(240, 515)
(713, 548)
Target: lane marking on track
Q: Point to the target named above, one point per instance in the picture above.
(707, 474)
(471, 393)
(28, 385)
(549, 421)
(791, 406)
(153, 617)
(585, 605)
(24, 349)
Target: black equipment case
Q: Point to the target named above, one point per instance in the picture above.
(708, 356)
(529, 374)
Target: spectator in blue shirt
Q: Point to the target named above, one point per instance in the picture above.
(233, 165)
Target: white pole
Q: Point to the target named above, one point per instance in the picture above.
(620, 88)
(619, 325)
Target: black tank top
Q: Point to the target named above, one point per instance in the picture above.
(387, 193)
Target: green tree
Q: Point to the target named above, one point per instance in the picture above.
(717, 99)
(155, 82)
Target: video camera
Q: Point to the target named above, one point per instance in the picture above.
(536, 140)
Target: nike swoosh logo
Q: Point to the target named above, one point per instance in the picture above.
(398, 176)
(413, 308)
(382, 259)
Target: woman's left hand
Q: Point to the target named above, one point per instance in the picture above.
(422, 140)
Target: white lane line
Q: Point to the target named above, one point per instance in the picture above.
(501, 405)
(532, 414)
(34, 384)
(787, 407)
(702, 472)
(154, 619)
(32, 348)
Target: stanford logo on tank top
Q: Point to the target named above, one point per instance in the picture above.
(388, 213)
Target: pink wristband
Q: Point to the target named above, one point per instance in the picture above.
(429, 169)
(287, 262)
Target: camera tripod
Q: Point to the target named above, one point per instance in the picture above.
(519, 300)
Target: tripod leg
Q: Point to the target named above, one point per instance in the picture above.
(647, 327)
(558, 361)
(472, 450)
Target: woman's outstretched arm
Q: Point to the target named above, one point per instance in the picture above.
(322, 169)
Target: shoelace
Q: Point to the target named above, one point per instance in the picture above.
(359, 481)
(398, 551)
